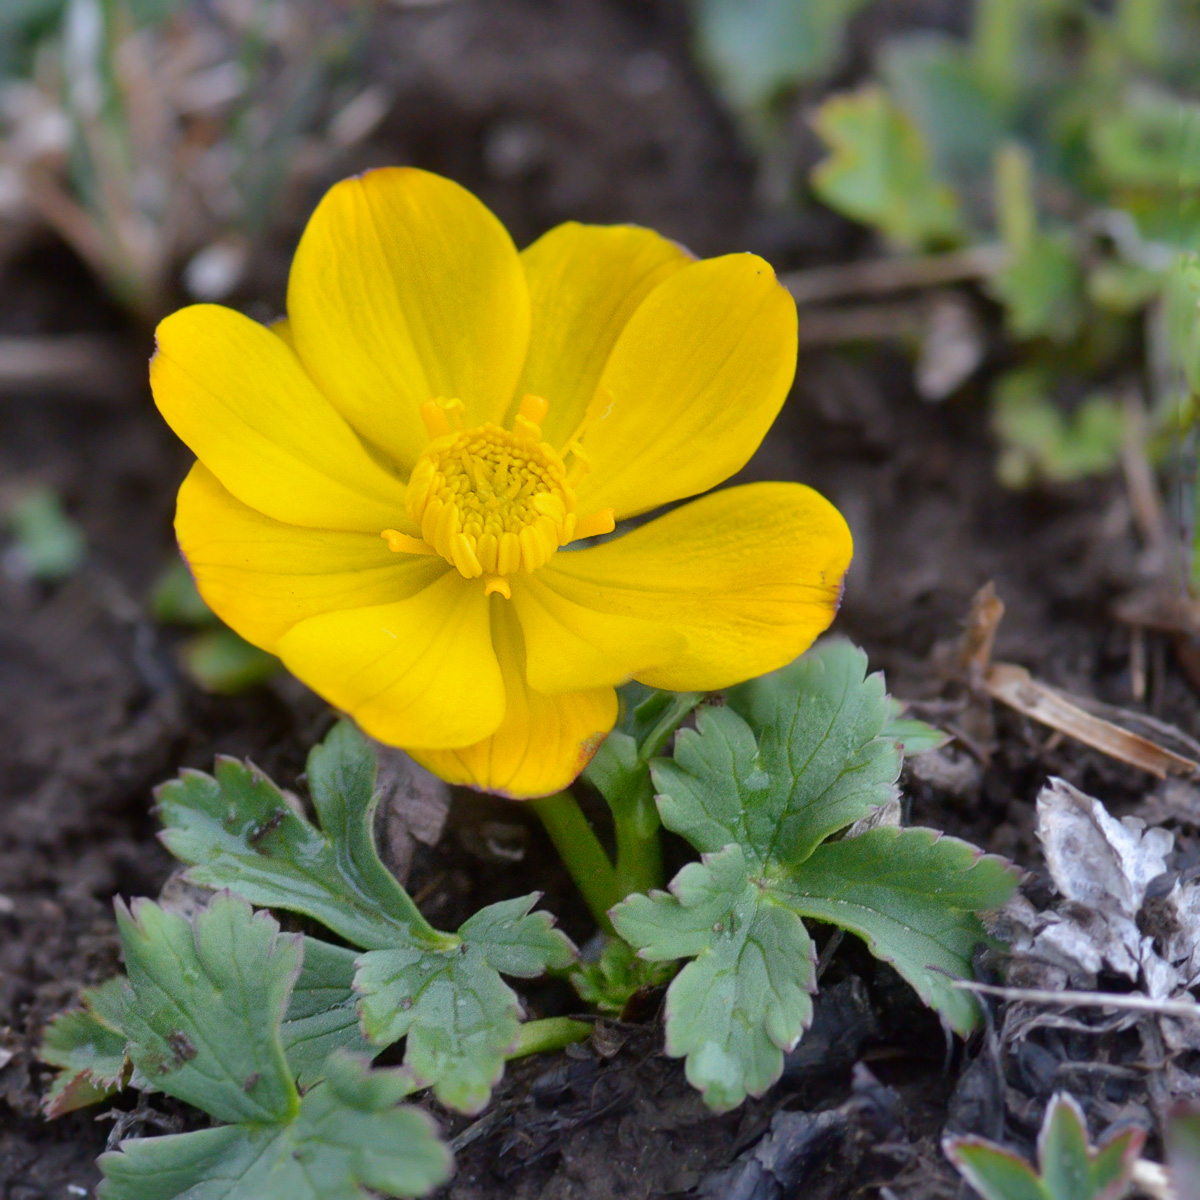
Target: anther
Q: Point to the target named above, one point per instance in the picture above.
(437, 423)
(403, 543)
(441, 417)
(533, 408)
(600, 522)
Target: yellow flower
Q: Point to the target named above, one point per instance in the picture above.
(390, 482)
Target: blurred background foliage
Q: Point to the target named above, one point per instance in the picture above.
(155, 135)
(1056, 149)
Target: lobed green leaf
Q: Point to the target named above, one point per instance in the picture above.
(746, 997)
(880, 170)
(759, 787)
(912, 895)
(351, 1139)
(459, 1017)
(995, 1173)
(1070, 1169)
(204, 1004)
(239, 831)
(796, 756)
(756, 48)
(87, 1045)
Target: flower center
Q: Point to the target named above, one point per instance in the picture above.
(489, 500)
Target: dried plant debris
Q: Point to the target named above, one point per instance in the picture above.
(1118, 910)
(158, 139)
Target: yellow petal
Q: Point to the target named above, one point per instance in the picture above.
(237, 395)
(750, 576)
(420, 671)
(405, 289)
(585, 281)
(542, 743)
(570, 646)
(261, 576)
(692, 385)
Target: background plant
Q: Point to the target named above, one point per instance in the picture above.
(155, 136)
(1058, 143)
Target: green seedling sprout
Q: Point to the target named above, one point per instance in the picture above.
(1069, 1168)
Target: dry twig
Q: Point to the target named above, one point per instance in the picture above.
(877, 276)
(1073, 999)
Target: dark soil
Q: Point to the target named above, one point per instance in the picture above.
(582, 109)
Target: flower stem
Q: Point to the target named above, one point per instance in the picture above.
(639, 847)
(550, 1033)
(581, 852)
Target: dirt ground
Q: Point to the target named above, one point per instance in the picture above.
(591, 110)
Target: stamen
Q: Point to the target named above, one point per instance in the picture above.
(534, 408)
(599, 408)
(437, 423)
(581, 466)
(403, 543)
(492, 501)
(464, 557)
(442, 416)
(600, 522)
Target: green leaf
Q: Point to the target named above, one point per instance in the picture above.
(932, 78)
(240, 832)
(758, 787)
(912, 895)
(516, 941)
(746, 997)
(995, 1173)
(49, 545)
(914, 737)
(87, 1045)
(204, 1005)
(351, 1139)
(1063, 1152)
(1071, 1169)
(323, 1013)
(613, 979)
(459, 1017)
(1148, 140)
(757, 48)
(819, 764)
(881, 172)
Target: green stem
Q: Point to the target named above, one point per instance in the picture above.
(550, 1033)
(639, 847)
(581, 852)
